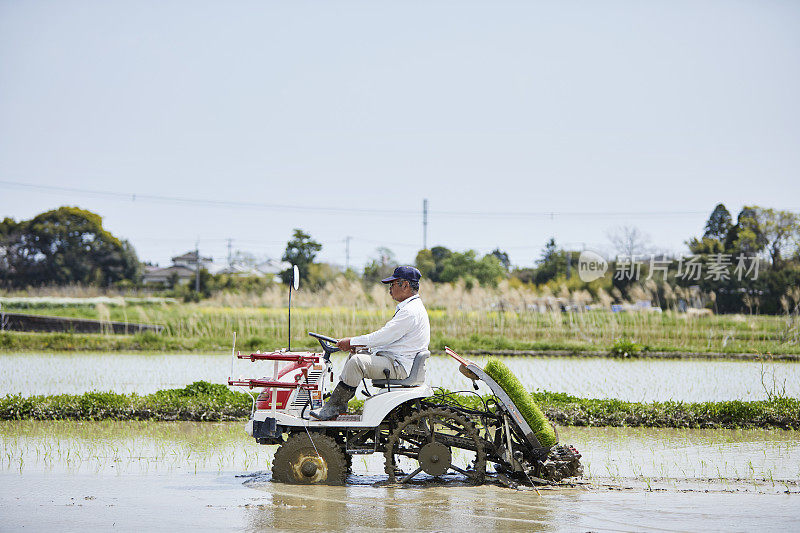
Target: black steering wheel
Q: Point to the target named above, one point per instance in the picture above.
(323, 341)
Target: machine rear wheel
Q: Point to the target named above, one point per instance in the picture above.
(301, 460)
(428, 438)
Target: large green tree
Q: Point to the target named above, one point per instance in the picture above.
(718, 227)
(764, 278)
(747, 235)
(503, 257)
(440, 264)
(63, 246)
(487, 270)
(552, 263)
(301, 250)
(431, 262)
(719, 223)
(781, 230)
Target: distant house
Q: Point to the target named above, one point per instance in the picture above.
(189, 260)
(238, 269)
(272, 267)
(182, 270)
(269, 269)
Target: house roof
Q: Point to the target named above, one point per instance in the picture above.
(156, 273)
(240, 270)
(190, 257)
(272, 266)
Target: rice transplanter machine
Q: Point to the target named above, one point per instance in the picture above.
(417, 428)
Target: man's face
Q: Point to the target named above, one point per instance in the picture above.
(398, 289)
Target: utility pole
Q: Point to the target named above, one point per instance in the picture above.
(425, 224)
(197, 266)
(347, 252)
(569, 264)
(230, 256)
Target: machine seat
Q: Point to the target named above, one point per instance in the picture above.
(415, 378)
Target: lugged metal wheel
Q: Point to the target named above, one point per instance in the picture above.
(299, 461)
(429, 437)
(564, 461)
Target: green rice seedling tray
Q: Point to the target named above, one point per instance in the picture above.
(531, 413)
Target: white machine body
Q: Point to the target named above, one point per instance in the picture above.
(298, 385)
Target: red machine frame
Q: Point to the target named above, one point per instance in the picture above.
(279, 399)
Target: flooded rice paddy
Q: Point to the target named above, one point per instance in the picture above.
(609, 454)
(632, 380)
(211, 476)
(70, 476)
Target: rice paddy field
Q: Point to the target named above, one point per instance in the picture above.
(211, 476)
(634, 380)
(609, 454)
(133, 475)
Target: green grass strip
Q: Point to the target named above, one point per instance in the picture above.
(199, 401)
(781, 413)
(203, 401)
(534, 416)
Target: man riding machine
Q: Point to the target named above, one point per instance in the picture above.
(407, 422)
(388, 353)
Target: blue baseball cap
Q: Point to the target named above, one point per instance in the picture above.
(403, 272)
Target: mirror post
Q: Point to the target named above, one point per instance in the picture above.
(295, 284)
(290, 312)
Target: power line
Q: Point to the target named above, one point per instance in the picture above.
(386, 243)
(235, 204)
(181, 200)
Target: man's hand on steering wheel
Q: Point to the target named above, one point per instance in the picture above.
(344, 344)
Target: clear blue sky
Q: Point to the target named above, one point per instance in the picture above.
(481, 107)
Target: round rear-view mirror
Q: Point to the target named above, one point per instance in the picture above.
(295, 277)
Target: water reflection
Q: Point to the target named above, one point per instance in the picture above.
(609, 454)
(430, 508)
(135, 475)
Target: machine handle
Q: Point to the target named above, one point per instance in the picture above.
(327, 348)
(322, 337)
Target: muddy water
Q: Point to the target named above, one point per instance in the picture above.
(633, 380)
(203, 476)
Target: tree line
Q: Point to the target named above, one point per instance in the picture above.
(64, 246)
(69, 245)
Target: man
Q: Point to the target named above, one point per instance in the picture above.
(392, 347)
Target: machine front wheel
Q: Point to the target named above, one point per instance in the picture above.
(310, 460)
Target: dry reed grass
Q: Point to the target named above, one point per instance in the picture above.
(506, 317)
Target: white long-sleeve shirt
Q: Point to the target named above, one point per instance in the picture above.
(405, 335)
